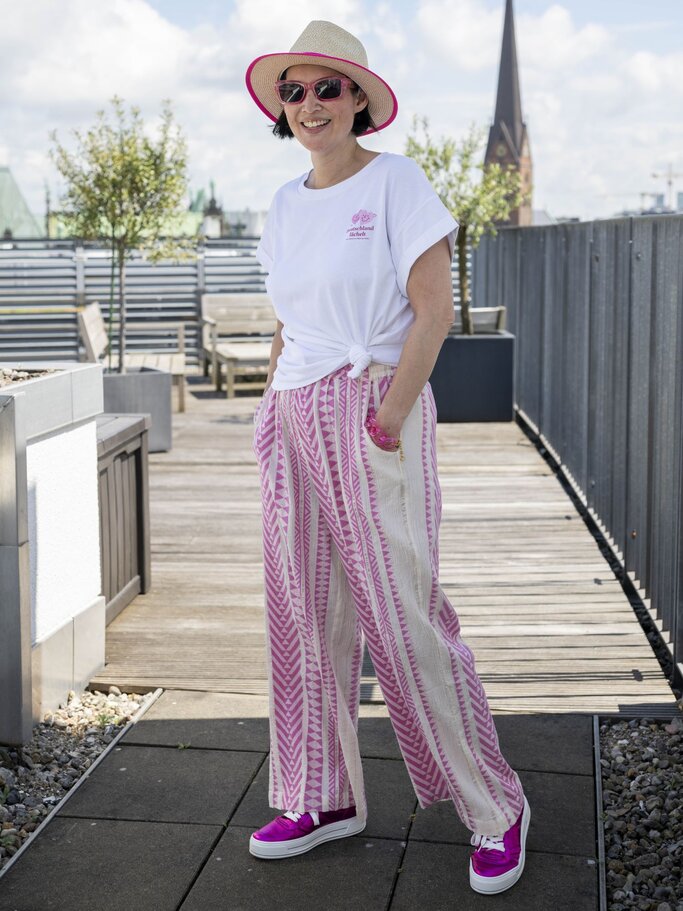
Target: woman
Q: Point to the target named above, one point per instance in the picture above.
(358, 254)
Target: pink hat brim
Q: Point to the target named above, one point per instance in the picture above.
(264, 70)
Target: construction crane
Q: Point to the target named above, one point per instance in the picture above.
(669, 175)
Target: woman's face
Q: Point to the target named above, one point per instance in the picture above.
(329, 122)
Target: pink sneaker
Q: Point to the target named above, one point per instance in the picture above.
(498, 862)
(295, 833)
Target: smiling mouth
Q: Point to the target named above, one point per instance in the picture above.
(314, 124)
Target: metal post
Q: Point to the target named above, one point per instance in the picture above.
(16, 721)
(79, 260)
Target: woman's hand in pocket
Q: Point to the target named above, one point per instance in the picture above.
(390, 424)
(388, 431)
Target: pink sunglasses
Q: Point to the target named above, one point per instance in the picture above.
(330, 88)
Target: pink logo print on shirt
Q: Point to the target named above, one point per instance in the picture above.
(361, 225)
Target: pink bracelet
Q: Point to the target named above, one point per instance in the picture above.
(378, 434)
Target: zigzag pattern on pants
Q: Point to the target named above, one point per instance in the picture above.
(284, 649)
(351, 553)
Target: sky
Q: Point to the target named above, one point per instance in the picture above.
(601, 85)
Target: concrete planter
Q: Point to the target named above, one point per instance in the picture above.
(142, 390)
(52, 612)
(473, 378)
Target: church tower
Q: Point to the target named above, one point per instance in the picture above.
(508, 140)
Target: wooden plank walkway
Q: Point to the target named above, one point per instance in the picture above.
(550, 626)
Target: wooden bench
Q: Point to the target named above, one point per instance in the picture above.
(484, 319)
(237, 334)
(93, 331)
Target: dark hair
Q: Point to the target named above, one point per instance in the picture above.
(361, 122)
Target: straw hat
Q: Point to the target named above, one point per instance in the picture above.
(328, 45)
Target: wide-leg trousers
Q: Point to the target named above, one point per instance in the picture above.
(351, 555)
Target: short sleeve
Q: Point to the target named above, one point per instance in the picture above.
(265, 248)
(417, 220)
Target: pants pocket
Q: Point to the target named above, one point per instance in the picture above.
(379, 386)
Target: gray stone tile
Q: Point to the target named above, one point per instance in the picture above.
(339, 875)
(547, 743)
(222, 721)
(107, 865)
(562, 816)
(436, 876)
(390, 794)
(377, 738)
(543, 743)
(165, 785)
(215, 721)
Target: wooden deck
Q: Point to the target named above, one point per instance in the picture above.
(549, 625)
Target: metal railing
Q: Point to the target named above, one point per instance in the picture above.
(597, 311)
(43, 282)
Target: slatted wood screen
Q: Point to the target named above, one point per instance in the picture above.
(124, 508)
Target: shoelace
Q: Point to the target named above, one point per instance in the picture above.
(293, 815)
(494, 842)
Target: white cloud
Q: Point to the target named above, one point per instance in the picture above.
(600, 119)
(552, 42)
(77, 51)
(464, 33)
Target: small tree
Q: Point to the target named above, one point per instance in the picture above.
(475, 204)
(125, 190)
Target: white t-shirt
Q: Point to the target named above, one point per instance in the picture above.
(338, 261)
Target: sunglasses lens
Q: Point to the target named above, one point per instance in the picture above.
(290, 92)
(328, 88)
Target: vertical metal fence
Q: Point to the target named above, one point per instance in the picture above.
(597, 311)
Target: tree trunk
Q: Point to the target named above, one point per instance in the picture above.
(122, 310)
(110, 320)
(467, 325)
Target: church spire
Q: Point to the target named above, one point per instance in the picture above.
(508, 142)
(508, 99)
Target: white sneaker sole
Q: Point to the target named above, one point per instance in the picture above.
(270, 850)
(490, 885)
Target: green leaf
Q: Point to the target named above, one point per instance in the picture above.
(477, 195)
(125, 189)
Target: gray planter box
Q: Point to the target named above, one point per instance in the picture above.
(52, 612)
(473, 378)
(142, 390)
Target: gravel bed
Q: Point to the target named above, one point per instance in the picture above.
(35, 777)
(11, 375)
(642, 788)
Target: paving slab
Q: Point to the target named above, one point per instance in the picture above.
(390, 794)
(436, 876)
(156, 813)
(376, 736)
(547, 742)
(543, 742)
(163, 784)
(107, 865)
(219, 721)
(569, 797)
(341, 875)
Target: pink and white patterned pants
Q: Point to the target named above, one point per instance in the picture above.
(351, 553)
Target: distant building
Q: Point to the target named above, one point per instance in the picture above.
(508, 142)
(213, 224)
(246, 222)
(16, 219)
(218, 222)
(679, 202)
(542, 217)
